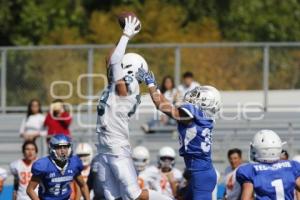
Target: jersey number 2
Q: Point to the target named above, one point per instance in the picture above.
(278, 185)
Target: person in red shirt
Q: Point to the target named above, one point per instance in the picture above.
(58, 120)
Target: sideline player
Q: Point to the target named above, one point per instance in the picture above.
(85, 152)
(21, 170)
(269, 177)
(163, 177)
(55, 172)
(117, 104)
(195, 119)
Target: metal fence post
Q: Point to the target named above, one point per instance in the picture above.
(90, 87)
(266, 66)
(3, 80)
(177, 67)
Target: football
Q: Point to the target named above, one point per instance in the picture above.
(123, 15)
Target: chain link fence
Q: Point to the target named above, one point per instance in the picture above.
(78, 73)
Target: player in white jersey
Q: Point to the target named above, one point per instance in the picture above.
(21, 170)
(85, 152)
(164, 177)
(117, 104)
(141, 160)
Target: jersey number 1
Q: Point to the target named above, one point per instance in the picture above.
(278, 185)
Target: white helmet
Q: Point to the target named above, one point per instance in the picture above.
(131, 62)
(85, 152)
(141, 157)
(266, 146)
(207, 97)
(166, 157)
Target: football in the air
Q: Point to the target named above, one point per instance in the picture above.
(123, 15)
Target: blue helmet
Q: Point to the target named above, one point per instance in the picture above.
(55, 142)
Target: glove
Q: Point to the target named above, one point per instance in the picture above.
(146, 77)
(130, 24)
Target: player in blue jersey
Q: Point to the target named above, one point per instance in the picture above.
(268, 177)
(195, 119)
(55, 172)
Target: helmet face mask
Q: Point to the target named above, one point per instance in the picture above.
(141, 158)
(266, 147)
(166, 158)
(60, 148)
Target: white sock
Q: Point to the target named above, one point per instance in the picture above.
(153, 195)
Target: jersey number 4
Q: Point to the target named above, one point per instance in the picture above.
(278, 185)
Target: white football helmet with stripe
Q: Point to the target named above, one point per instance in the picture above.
(206, 97)
(266, 146)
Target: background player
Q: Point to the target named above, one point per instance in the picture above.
(164, 177)
(85, 152)
(21, 170)
(269, 177)
(55, 172)
(141, 160)
(195, 119)
(116, 106)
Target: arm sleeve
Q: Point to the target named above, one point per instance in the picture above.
(188, 109)
(79, 165)
(244, 175)
(296, 167)
(37, 169)
(116, 58)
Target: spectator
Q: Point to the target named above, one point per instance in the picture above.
(3, 176)
(284, 155)
(58, 119)
(21, 170)
(32, 126)
(188, 84)
(169, 92)
(232, 187)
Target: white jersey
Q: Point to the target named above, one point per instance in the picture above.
(154, 179)
(22, 172)
(114, 113)
(233, 188)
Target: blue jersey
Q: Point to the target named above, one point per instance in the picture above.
(196, 138)
(54, 184)
(271, 180)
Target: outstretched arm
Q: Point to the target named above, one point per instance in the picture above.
(115, 59)
(160, 101)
